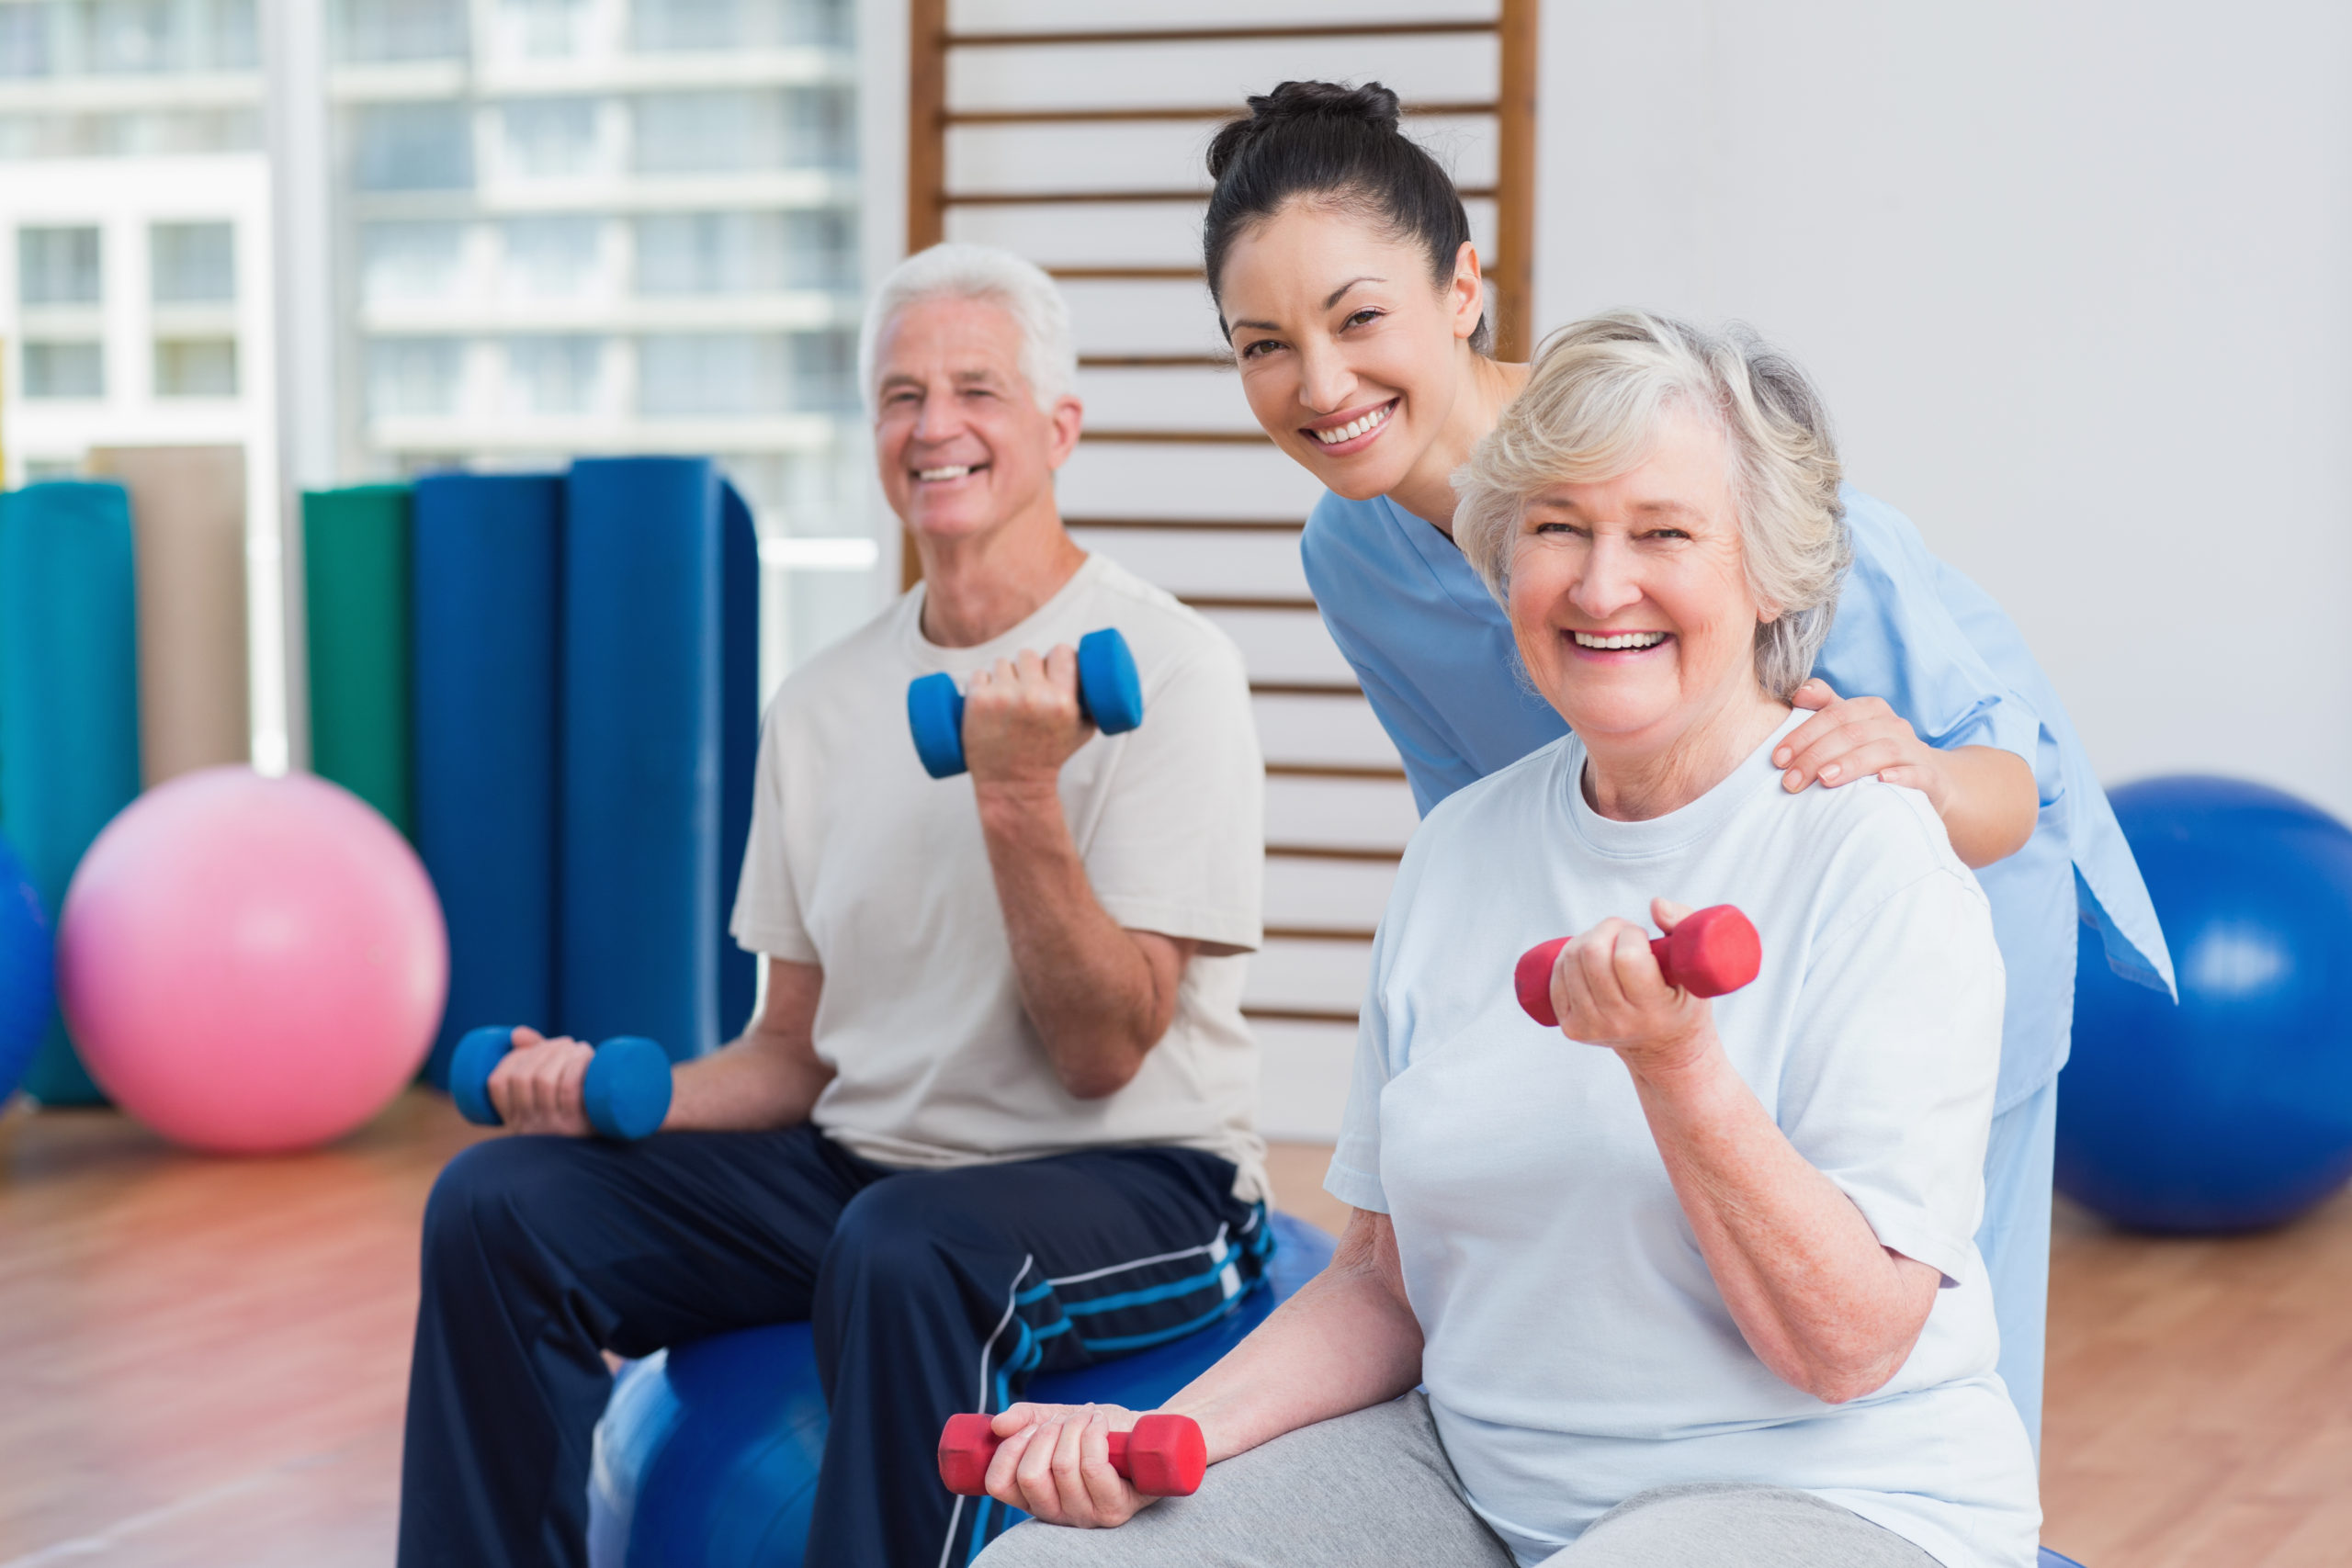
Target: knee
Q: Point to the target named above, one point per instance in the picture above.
(484, 1200)
(891, 1234)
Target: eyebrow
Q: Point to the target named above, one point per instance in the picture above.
(1331, 299)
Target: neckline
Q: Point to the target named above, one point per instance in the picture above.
(1679, 829)
(1010, 640)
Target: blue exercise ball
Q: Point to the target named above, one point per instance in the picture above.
(27, 970)
(2233, 1110)
(707, 1453)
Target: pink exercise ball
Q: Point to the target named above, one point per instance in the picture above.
(252, 965)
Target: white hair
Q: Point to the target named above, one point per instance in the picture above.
(1048, 347)
(1591, 410)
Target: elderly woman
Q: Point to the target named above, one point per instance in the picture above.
(1684, 1282)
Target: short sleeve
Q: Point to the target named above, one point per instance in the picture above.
(1179, 847)
(767, 904)
(1889, 1090)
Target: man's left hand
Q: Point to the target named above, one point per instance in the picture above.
(1857, 738)
(1021, 721)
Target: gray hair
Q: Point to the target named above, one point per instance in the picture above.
(1048, 347)
(1590, 410)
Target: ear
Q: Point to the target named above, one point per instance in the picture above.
(1467, 292)
(1065, 416)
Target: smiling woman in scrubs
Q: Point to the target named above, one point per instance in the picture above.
(1340, 260)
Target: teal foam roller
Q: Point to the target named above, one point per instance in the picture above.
(626, 1094)
(1110, 694)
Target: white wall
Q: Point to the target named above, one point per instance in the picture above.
(2076, 277)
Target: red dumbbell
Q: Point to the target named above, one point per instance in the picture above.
(1714, 951)
(1164, 1456)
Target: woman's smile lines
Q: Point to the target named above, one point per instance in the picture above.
(1363, 424)
(1618, 640)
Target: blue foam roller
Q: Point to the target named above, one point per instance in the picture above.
(69, 703)
(641, 694)
(486, 575)
(707, 1454)
(27, 970)
(739, 741)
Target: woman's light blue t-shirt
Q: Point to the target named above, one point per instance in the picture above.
(1434, 653)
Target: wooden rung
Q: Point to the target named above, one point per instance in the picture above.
(1303, 1015)
(1334, 770)
(1127, 274)
(1154, 362)
(1328, 851)
(1304, 689)
(1106, 198)
(1319, 934)
(1180, 437)
(1191, 525)
(1219, 35)
(1176, 115)
(1242, 601)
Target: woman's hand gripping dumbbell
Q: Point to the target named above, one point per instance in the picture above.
(1708, 952)
(1110, 696)
(624, 1094)
(1165, 1456)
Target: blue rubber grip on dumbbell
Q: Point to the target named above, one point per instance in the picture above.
(625, 1095)
(1110, 694)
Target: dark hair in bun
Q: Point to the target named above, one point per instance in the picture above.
(1340, 146)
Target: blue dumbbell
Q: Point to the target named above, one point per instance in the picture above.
(627, 1093)
(1109, 693)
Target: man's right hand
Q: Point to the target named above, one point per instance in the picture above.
(537, 1087)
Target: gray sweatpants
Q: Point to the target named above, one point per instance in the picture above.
(1375, 1487)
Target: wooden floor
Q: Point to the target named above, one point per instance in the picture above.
(202, 1361)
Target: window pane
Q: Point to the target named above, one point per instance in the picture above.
(711, 252)
(129, 35)
(57, 267)
(64, 370)
(550, 137)
(24, 39)
(195, 367)
(551, 258)
(709, 373)
(551, 375)
(738, 24)
(541, 29)
(410, 261)
(399, 29)
(412, 376)
(414, 147)
(192, 261)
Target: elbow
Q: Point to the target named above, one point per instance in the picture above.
(1101, 1075)
(1840, 1385)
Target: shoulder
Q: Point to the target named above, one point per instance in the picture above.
(1869, 841)
(1344, 538)
(870, 655)
(1495, 806)
(1170, 638)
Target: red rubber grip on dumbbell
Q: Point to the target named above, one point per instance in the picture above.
(1163, 1456)
(1712, 951)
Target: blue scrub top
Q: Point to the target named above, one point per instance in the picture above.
(1434, 653)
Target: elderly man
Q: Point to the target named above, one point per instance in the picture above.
(995, 1113)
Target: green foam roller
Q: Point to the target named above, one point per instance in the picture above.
(355, 587)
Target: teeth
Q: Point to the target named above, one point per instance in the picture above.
(1354, 428)
(955, 471)
(1620, 640)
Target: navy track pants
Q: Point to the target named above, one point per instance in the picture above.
(927, 1292)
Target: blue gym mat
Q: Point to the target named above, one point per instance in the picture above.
(739, 741)
(644, 697)
(69, 703)
(486, 577)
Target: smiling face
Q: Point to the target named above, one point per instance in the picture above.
(1351, 357)
(962, 445)
(1630, 600)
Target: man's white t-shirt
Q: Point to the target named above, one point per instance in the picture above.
(1577, 1348)
(862, 863)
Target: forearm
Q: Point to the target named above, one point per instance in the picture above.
(751, 1084)
(1346, 1341)
(1816, 1296)
(1991, 803)
(1097, 1003)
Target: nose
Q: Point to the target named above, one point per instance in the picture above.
(1326, 383)
(938, 419)
(1611, 580)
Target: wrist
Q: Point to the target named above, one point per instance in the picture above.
(1020, 796)
(1680, 1068)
